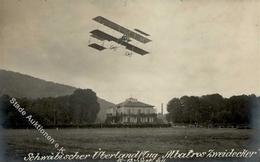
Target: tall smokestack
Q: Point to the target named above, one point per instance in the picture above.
(162, 108)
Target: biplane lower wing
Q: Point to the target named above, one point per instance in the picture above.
(121, 29)
(135, 49)
(96, 46)
(108, 37)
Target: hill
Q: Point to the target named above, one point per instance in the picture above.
(21, 85)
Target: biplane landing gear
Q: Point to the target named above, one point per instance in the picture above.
(129, 54)
(113, 47)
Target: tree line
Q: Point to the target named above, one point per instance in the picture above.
(76, 109)
(213, 110)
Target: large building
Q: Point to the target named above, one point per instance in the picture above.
(132, 111)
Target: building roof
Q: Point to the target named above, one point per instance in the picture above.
(131, 102)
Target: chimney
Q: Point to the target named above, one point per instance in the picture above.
(162, 108)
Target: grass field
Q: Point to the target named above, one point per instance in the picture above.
(21, 142)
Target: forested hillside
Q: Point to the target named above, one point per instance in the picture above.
(20, 85)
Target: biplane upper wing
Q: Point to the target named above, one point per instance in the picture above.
(121, 29)
(105, 36)
(140, 31)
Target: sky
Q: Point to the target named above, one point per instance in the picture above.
(198, 47)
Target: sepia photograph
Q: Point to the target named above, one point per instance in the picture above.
(129, 81)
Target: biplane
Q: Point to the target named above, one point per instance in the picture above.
(123, 41)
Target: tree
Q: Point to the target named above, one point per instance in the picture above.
(175, 110)
(213, 109)
(79, 108)
(85, 106)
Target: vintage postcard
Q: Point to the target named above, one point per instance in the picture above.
(129, 80)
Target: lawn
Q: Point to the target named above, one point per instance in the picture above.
(19, 142)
